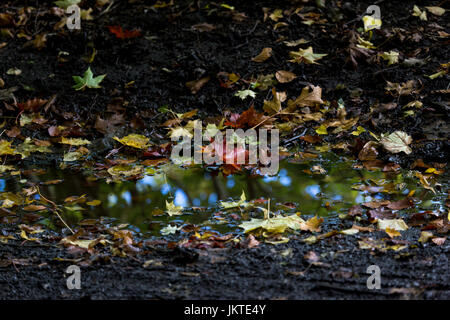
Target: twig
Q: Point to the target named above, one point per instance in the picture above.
(55, 209)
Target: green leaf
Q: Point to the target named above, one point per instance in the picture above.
(88, 80)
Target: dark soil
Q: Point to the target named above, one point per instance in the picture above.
(266, 272)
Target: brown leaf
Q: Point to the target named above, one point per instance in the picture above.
(439, 240)
(285, 76)
(203, 27)
(265, 54)
(368, 152)
(34, 207)
(355, 211)
(53, 131)
(32, 105)
(401, 204)
(196, 85)
(14, 132)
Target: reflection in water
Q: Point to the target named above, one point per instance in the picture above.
(136, 202)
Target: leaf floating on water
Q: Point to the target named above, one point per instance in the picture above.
(125, 170)
(137, 141)
(94, 203)
(74, 141)
(172, 209)
(235, 204)
(396, 142)
(169, 230)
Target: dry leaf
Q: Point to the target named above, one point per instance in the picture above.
(265, 54)
(285, 76)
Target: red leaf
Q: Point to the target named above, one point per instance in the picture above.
(124, 34)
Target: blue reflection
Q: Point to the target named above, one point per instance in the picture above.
(165, 189)
(230, 182)
(112, 200)
(181, 198)
(313, 190)
(213, 198)
(127, 197)
(2, 184)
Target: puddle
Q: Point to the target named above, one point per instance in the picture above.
(324, 186)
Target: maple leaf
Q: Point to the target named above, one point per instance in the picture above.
(307, 98)
(172, 209)
(248, 118)
(274, 106)
(243, 94)
(391, 57)
(306, 56)
(88, 80)
(121, 33)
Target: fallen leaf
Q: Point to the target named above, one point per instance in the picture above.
(265, 54)
(134, 140)
(394, 224)
(306, 56)
(396, 142)
(285, 76)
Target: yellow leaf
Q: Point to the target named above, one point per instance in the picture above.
(172, 209)
(93, 203)
(391, 57)
(322, 129)
(393, 224)
(392, 232)
(134, 140)
(5, 148)
(306, 56)
(371, 23)
(425, 236)
(358, 131)
(74, 141)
